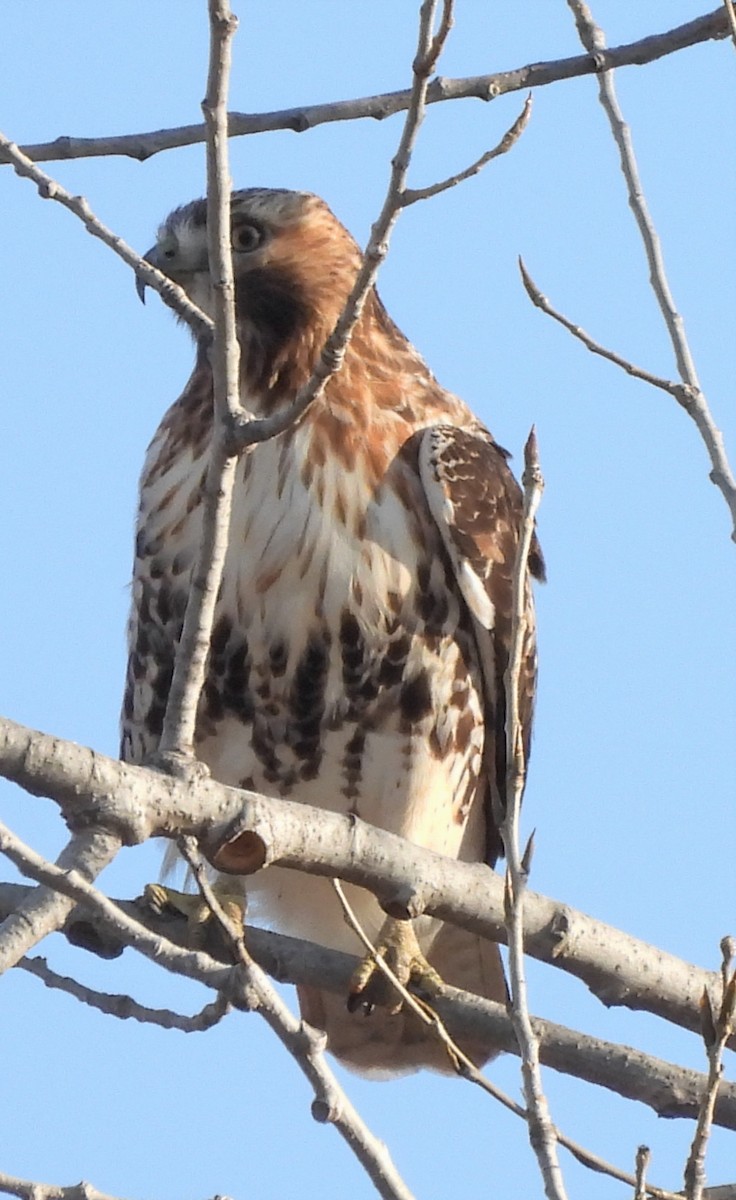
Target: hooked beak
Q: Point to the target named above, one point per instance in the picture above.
(153, 257)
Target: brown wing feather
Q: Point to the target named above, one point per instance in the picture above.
(477, 505)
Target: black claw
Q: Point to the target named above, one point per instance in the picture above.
(356, 1001)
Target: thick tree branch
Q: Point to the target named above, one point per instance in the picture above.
(102, 924)
(28, 1189)
(242, 831)
(141, 146)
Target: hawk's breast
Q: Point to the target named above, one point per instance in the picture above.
(343, 670)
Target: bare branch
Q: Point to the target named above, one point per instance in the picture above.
(125, 1007)
(306, 1046)
(235, 430)
(465, 1067)
(539, 300)
(731, 14)
(141, 146)
(248, 432)
(541, 1129)
(693, 400)
(49, 189)
(717, 1028)
(192, 651)
(28, 1189)
(670, 1090)
(643, 1155)
(241, 831)
(422, 1010)
(46, 910)
(509, 139)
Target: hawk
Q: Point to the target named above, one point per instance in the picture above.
(363, 623)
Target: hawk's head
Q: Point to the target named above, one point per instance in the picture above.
(292, 259)
(294, 265)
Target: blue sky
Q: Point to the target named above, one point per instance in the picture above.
(632, 782)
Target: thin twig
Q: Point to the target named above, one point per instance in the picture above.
(643, 1155)
(537, 297)
(247, 432)
(49, 189)
(693, 400)
(69, 885)
(426, 1014)
(125, 1007)
(192, 651)
(331, 1104)
(509, 139)
(541, 1128)
(717, 1028)
(141, 146)
(466, 1068)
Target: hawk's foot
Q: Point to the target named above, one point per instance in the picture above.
(203, 930)
(397, 945)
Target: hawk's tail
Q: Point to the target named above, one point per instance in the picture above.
(387, 1043)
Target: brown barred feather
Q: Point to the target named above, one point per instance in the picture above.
(363, 623)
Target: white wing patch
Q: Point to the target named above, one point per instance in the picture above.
(442, 508)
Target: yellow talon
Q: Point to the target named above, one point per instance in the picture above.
(397, 945)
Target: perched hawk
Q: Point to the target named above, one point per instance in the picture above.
(362, 627)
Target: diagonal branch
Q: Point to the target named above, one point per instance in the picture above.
(170, 292)
(306, 1046)
(245, 432)
(234, 429)
(692, 397)
(539, 300)
(465, 1067)
(507, 142)
(141, 146)
(46, 909)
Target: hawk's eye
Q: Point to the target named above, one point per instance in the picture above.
(247, 236)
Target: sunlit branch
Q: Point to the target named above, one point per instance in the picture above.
(125, 1008)
(691, 397)
(541, 1128)
(141, 146)
(48, 188)
(192, 651)
(306, 1046)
